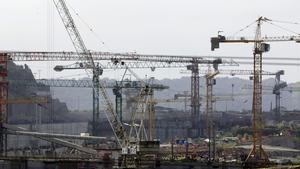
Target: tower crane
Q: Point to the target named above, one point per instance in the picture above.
(117, 91)
(276, 90)
(279, 87)
(195, 96)
(222, 72)
(257, 155)
(210, 81)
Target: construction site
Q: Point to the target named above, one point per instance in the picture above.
(83, 107)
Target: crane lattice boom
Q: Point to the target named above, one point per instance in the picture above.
(98, 87)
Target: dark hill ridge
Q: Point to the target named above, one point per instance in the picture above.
(55, 111)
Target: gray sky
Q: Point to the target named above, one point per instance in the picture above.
(178, 27)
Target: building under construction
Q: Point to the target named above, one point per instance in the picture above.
(208, 120)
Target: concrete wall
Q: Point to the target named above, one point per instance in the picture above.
(60, 128)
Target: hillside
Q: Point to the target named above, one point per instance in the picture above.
(54, 111)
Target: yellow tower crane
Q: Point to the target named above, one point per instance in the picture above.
(257, 155)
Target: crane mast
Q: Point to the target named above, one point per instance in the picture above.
(257, 122)
(195, 100)
(210, 81)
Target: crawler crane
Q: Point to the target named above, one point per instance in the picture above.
(129, 148)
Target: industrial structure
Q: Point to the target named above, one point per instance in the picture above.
(257, 155)
(134, 141)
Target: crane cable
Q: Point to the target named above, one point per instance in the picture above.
(272, 23)
(96, 35)
(286, 22)
(283, 28)
(244, 28)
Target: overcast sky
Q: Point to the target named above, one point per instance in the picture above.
(175, 27)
